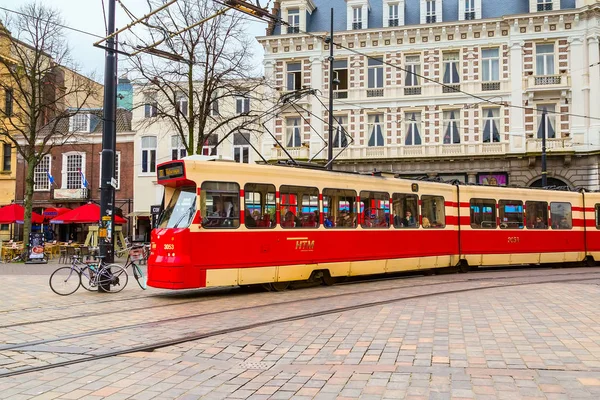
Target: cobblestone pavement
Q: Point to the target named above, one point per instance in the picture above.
(534, 341)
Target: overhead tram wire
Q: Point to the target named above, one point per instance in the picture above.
(453, 89)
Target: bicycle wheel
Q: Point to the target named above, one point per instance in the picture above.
(65, 281)
(139, 276)
(88, 278)
(115, 280)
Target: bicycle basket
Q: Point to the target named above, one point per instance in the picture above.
(136, 254)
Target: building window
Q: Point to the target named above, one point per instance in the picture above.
(544, 59)
(469, 9)
(293, 20)
(546, 121)
(375, 77)
(294, 76)
(8, 102)
(242, 105)
(375, 129)
(451, 133)
(214, 104)
(182, 105)
(430, 14)
(149, 154)
(73, 171)
(544, 5)
(356, 17)
(393, 16)
(178, 149)
(340, 129)
(41, 174)
(79, 123)
(340, 73)
(241, 147)
(6, 157)
(412, 80)
(491, 124)
(490, 65)
(451, 75)
(150, 109)
(413, 129)
(117, 170)
(209, 146)
(293, 132)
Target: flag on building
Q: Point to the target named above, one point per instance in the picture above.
(84, 182)
(50, 178)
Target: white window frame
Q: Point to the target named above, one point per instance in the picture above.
(289, 130)
(150, 107)
(117, 170)
(550, 117)
(356, 18)
(446, 120)
(448, 59)
(548, 60)
(242, 105)
(469, 6)
(415, 68)
(371, 124)
(40, 175)
(498, 120)
(182, 104)
(296, 75)
(242, 147)
(178, 146)
(362, 16)
(378, 81)
(487, 63)
(533, 5)
(293, 19)
(80, 122)
(65, 171)
(429, 10)
(417, 123)
(149, 158)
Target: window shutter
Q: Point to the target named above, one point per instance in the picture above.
(438, 11)
(461, 10)
(386, 14)
(365, 16)
(478, 9)
(423, 11)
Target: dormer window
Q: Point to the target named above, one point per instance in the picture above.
(393, 13)
(356, 17)
(79, 123)
(469, 10)
(543, 5)
(431, 11)
(293, 20)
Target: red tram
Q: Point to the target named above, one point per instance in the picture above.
(238, 224)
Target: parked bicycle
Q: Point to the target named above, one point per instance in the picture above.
(66, 280)
(136, 255)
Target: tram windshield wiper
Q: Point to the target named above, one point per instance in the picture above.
(188, 214)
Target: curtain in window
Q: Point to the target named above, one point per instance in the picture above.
(294, 137)
(340, 139)
(452, 136)
(490, 130)
(451, 68)
(546, 124)
(376, 137)
(413, 137)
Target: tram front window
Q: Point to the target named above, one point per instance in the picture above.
(181, 208)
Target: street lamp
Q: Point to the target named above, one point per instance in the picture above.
(543, 129)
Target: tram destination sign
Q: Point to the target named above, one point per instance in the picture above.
(171, 171)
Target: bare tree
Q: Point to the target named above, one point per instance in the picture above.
(211, 64)
(42, 88)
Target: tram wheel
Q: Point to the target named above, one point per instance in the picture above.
(327, 279)
(267, 287)
(280, 286)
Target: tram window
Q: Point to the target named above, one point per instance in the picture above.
(181, 208)
(339, 208)
(561, 216)
(483, 213)
(597, 216)
(220, 205)
(406, 210)
(511, 214)
(259, 200)
(375, 208)
(433, 212)
(536, 214)
(299, 206)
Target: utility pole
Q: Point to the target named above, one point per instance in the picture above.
(331, 82)
(544, 171)
(108, 143)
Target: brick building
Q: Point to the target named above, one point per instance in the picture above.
(81, 154)
(511, 72)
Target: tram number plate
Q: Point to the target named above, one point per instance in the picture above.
(169, 246)
(513, 239)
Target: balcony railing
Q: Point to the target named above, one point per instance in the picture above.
(487, 86)
(552, 144)
(412, 90)
(71, 194)
(374, 92)
(451, 88)
(293, 29)
(393, 22)
(340, 94)
(430, 19)
(357, 25)
(548, 80)
(301, 152)
(544, 7)
(469, 15)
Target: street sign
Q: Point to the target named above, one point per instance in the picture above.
(155, 212)
(113, 182)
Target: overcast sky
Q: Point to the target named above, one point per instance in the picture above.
(87, 15)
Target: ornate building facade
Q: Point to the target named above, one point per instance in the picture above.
(460, 89)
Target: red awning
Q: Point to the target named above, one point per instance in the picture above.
(14, 214)
(87, 214)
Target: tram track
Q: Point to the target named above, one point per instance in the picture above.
(203, 335)
(213, 296)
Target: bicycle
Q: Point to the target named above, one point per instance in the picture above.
(66, 280)
(137, 253)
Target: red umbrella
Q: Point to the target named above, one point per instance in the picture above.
(87, 214)
(52, 212)
(14, 214)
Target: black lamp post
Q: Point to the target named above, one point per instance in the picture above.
(544, 170)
